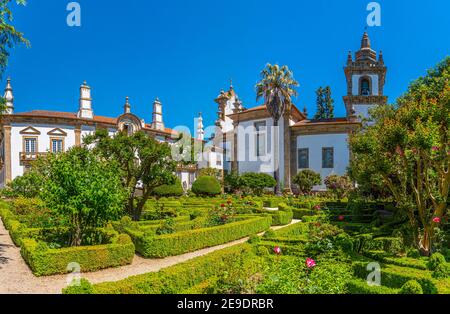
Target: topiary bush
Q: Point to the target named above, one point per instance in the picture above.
(442, 271)
(306, 179)
(411, 287)
(169, 190)
(206, 186)
(435, 260)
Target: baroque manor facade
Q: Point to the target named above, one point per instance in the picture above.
(243, 141)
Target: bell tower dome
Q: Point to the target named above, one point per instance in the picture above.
(365, 80)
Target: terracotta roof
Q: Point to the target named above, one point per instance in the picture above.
(66, 115)
(71, 115)
(299, 114)
(305, 123)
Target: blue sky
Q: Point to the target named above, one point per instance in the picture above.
(185, 52)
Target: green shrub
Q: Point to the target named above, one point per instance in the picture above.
(169, 190)
(395, 276)
(84, 287)
(299, 213)
(206, 186)
(391, 245)
(262, 251)
(435, 260)
(442, 271)
(280, 218)
(177, 243)
(360, 286)
(413, 253)
(411, 287)
(180, 277)
(256, 182)
(254, 239)
(306, 180)
(269, 234)
(47, 261)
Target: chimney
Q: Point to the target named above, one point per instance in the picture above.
(85, 109)
(200, 131)
(157, 119)
(9, 98)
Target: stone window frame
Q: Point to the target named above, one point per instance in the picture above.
(361, 79)
(57, 138)
(24, 138)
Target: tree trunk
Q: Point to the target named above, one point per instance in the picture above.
(276, 173)
(425, 241)
(76, 236)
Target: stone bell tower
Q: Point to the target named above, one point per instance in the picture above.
(365, 80)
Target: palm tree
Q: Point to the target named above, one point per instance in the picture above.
(277, 86)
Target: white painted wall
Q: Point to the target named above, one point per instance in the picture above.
(248, 162)
(43, 142)
(362, 110)
(315, 143)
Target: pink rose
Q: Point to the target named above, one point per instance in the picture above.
(341, 218)
(277, 250)
(437, 220)
(310, 263)
(435, 148)
(317, 207)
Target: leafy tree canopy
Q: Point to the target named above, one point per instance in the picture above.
(144, 163)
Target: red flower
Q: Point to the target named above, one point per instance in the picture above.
(222, 205)
(435, 148)
(277, 250)
(317, 207)
(341, 218)
(310, 263)
(437, 220)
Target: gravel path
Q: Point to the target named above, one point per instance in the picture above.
(16, 277)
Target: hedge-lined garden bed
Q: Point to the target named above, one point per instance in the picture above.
(44, 260)
(149, 245)
(177, 278)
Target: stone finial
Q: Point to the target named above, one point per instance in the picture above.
(9, 97)
(305, 111)
(349, 58)
(380, 57)
(365, 41)
(127, 106)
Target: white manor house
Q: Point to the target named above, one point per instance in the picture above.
(243, 139)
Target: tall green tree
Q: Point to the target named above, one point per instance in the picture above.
(144, 162)
(324, 103)
(82, 190)
(407, 150)
(276, 87)
(9, 38)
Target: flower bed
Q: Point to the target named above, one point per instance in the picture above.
(177, 278)
(149, 245)
(44, 260)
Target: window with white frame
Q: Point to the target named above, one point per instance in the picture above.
(30, 144)
(57, 145)
(260, 129)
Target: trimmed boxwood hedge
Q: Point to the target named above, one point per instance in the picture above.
(180, 277)
(395, 277)
(359, 286)
(46, 261)
(280, 218)
(299, 213)
(149, 245)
